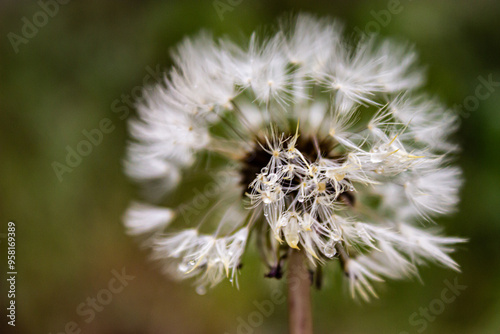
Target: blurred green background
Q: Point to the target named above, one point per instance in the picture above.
(64, 80)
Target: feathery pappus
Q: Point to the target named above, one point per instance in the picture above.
(326, 145)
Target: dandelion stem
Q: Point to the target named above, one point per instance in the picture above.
(299, 295)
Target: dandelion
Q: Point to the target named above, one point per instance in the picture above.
(330, 154)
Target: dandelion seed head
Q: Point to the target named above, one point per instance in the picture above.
(327, 146)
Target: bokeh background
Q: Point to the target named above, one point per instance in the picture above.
(66, 78)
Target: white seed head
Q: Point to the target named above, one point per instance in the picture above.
(326, 146)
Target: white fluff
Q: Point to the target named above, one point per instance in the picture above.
(143, 218)
(377, 159)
